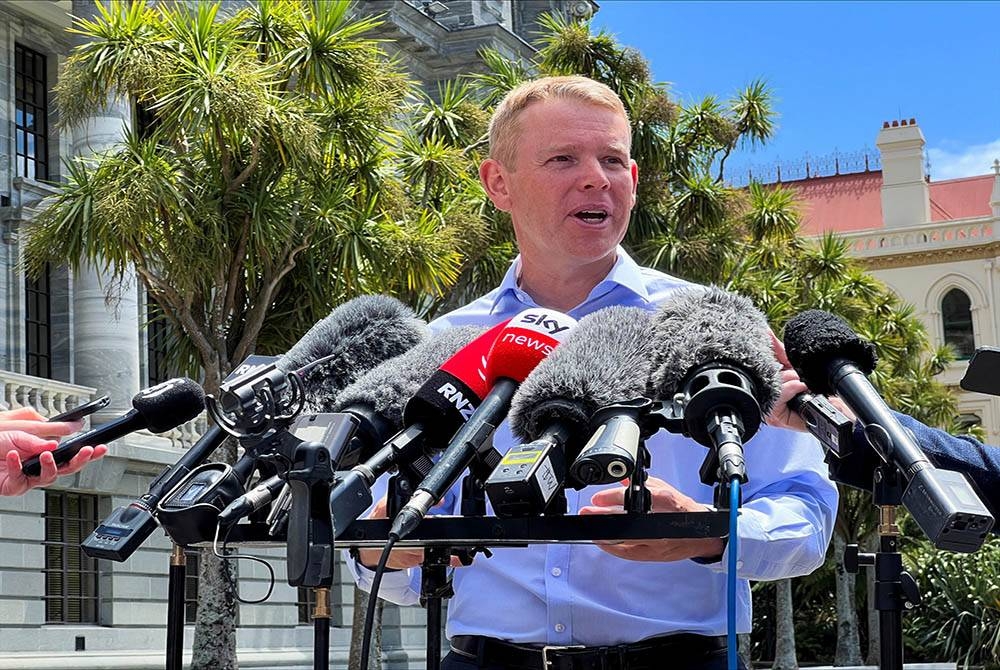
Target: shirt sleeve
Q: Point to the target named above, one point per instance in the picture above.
(789, 508)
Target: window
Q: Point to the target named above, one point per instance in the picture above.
(191, 585)
(956, 315)
(38, 310)
(31, 113)
(157, 343)
(71, 577)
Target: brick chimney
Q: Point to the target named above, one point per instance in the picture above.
(905, 195)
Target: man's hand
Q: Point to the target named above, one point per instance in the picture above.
(665, 499)
(782, 416)
(399, 559)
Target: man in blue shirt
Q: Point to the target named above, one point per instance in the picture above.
(560, 165)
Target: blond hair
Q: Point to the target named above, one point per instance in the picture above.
(504, 128)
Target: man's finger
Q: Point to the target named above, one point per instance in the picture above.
(43, 428)
(779, 351)
(609, 497)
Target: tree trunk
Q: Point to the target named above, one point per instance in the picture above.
(215, 627)
(744, 647)
(357, 631)
(784, 616)
(870, 544)
(848, 643)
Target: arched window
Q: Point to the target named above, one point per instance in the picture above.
(956, 315)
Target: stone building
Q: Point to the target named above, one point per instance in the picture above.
(62, 344)
(935, 243)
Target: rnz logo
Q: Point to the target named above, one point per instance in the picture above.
(458, 399)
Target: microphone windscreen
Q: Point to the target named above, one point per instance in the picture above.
(699, 325)
(452, 393)
(359, 334)
(524, 342)
(386, 388)
(814, 339)
(169, 404)
(606, 359)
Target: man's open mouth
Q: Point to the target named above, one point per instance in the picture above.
(592, 215)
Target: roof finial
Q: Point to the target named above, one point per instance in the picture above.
(996, 167)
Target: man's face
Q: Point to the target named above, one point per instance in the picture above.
(571, 185)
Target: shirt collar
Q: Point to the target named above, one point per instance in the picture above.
(625, 273)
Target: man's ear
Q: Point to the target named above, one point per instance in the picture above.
(494, 179)
(634, 170)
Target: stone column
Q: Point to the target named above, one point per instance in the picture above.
(105, 334)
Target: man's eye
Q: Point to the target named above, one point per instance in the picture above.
(615, 159)
(560, 159)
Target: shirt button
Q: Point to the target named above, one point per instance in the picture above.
(560, 628)
(556, 572)
(739, 565)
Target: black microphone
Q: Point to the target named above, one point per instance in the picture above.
(522, 344)
(605, 361)
(714, 354)
(157, 409)
(832, 359)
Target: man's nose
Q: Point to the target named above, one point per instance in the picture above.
(593, 175)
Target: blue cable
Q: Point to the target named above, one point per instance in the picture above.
(734, 510)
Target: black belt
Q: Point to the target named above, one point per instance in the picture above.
(657, 652)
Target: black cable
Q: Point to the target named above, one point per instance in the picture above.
(229, 577)
(373, 600)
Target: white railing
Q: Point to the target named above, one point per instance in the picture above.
(187, 434)
(50, 397)
(47, 396)
(962, 233)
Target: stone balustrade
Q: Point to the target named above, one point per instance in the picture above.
(47, 396)
(961, 233)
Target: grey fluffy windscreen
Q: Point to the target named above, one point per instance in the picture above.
(605, 360)
(387, 387)
(699, 325)
(359, 334)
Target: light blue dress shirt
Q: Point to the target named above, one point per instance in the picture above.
(567, 594)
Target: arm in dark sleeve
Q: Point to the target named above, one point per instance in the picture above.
(980, 462)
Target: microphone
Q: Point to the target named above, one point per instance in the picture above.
(354, 337)
(714, 355)
(158, 409)
(424, 418)
(832, 359)
(604, 361)
(526, 339)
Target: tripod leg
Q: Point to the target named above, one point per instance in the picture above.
(321, 628)
(175, 609)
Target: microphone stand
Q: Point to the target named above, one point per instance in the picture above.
(895, 589)
(321, 626)
(175, 608)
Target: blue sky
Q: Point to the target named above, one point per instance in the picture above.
(837, 69)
